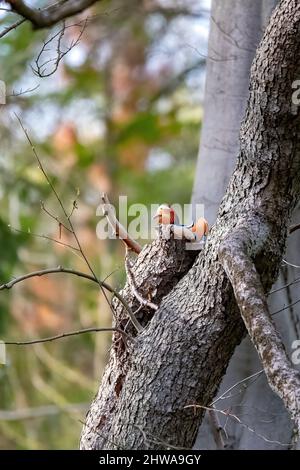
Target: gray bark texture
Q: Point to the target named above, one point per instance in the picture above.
(236, 27)
(156, 387)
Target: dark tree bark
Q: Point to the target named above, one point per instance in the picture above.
(51, 15)
(180, 357)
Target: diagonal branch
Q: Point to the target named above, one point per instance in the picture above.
(51, 15)
(235, 256)
(293, 228)
(117, 227)
(11, 27)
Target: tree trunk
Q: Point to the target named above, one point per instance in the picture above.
(235, 32)
(236, 28)
(181, 356)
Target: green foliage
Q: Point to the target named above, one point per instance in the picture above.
(95, 125)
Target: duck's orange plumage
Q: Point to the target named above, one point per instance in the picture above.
(200, 228)
(166, 215)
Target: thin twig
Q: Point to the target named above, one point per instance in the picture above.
(23, 92)
(290, 264)
(68, 218)
(295, 281)
(292, 304)
(60, 269)
(152, 439)
(11, 27)
(216, 428)
(236, 418)
(45, 237)
(133, 286)
(240, 382)
(40, 67)
(41, 411)
(65, 335)
(54, 217)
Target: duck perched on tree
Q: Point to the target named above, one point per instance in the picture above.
(166, 215)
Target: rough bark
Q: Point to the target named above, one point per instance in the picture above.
(155, 271)
(235, 30)
(236, 253)
(183, 352)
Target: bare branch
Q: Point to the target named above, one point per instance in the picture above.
(295, 281)
(251, 299)
(72, 229)
(292, 304)
(11, 27)
(23, 92)
(51, 15)
(133, 286)
(118, 228)
(40, 68)
(216, 428)
(60, 269)
(54, 217)
(40, 411)
(291, 264)
(46, 237)
(293, 228)
(241, 382)
(170, 86)
(227, 413)
(65, 335)
(231, 38)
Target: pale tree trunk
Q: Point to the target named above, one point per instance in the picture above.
(179, 359)
(235, 32)
(236, 28)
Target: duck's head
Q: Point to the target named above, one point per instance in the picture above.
(166, 215)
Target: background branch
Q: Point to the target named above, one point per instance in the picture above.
(65, 335)
(68, 216)
(51, 15)
(60, 269)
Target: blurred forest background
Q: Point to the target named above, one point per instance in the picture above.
(121, 114)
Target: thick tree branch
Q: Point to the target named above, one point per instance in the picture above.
(52, 14)
(235, 256)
